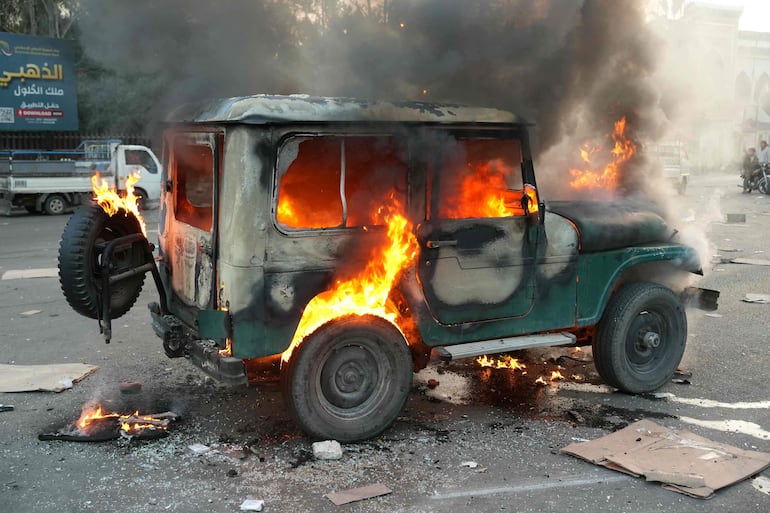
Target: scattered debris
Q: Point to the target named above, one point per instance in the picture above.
(750, 261)
(682, 461)
(6, 407)
(199, 448)
(469, 464)
(683, 373)
(433, 383)
(130, 387)
(47, 378)
(252, 505)
(729, 250)
(762, 484)
(30, 312)
(357, 494)
(327, 450)
(575, 415)
(756, 298)
(716, 315)
(681, 381)
(735, 218)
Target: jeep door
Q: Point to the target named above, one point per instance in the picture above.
(188, 218)
(477, 246)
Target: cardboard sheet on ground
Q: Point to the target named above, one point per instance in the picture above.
(47, 378)
(682, 461)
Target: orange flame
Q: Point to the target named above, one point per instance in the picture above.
(506, 362)
(484, 193)
(367, 293)
(540, 381)
(89, 416)
(111, 201)
(608, 177)
(556, 375)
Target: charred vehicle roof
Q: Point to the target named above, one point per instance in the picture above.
(274, 109)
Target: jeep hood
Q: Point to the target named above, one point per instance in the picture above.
(604, 226)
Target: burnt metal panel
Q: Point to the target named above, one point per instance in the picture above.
(271, 109)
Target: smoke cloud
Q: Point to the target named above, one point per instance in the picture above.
(570, 67)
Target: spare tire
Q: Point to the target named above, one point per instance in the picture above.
(80, 256)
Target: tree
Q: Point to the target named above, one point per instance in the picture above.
(52, 18)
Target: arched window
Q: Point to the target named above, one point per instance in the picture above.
(762, 88)
(742, 87)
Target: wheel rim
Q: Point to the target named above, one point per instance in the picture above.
(351, 382)
(56, 205)
(648, 341)
(349, 376)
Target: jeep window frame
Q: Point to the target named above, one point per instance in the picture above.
(401, 143)
(432, 185)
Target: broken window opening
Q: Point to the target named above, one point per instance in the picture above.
(481, 178)
(193, 171)
(339, 181)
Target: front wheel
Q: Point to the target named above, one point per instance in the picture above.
(348, 380)
(763, 186)
(641, 337)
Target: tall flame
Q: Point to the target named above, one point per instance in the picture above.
(367, 293)
(608, 177)
(112, 202)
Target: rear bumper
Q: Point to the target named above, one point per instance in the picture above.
(204, 354)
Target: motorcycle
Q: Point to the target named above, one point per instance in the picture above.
(758, 180)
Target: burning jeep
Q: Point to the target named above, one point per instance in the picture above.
(351, 239)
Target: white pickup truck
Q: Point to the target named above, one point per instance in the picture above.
(54, 181)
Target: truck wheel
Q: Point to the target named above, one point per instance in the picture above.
(641, 337)
(55, 205)
(80, 254)
(349, 380)
(141, 201)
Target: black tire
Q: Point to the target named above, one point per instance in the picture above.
(349, 380)
(79, 257)
(763, 186)
(746, 185)
(55, 205)
(641, 337)
(141, 201)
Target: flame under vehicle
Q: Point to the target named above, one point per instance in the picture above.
(54, 181)
(351, 240)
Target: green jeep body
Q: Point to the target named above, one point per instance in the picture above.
(233, 275)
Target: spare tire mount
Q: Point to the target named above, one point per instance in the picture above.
(121, 243)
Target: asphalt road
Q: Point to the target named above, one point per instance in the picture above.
(499, 419)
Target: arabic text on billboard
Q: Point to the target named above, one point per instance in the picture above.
(37, 84)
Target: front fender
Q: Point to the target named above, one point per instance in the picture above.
(598, 273)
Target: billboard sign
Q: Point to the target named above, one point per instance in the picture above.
(37, 83)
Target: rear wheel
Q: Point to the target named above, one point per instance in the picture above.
(84, 236)
(641, 337)
(349, 380)
(55, 205)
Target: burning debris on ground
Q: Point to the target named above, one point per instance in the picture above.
(98, 425)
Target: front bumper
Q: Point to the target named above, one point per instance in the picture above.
(204, 354)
